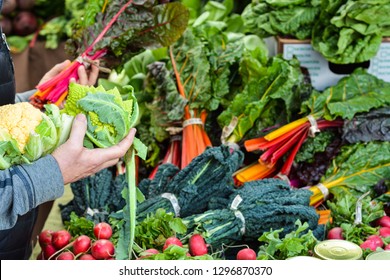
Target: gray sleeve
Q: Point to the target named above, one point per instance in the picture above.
(24, 96)
(24, 187)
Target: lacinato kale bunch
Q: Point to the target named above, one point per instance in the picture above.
(257, 207)
(188, 191)
(96, 197)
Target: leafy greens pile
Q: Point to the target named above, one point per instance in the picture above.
(293, 18)
(351, 31)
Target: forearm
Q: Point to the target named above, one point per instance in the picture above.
(24, 187)
(24, 96)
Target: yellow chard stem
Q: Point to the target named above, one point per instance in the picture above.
(284, 129)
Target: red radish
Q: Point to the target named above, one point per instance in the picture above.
(335, 233)
(102, 249)
(45, 238)
(65, 256)
(377, 239)
(102, 231)
(384, 231)
(387, 247)
(86, 257)
(61, 238)
(148, 252)
(384, 221)
(81, 244)
(369, 244)
(197, 245)
(49, 251)
(172, 241)
(246, 254)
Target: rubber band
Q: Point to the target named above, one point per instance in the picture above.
(92, 212)
(358, 209)
(174, 130)
(283, 177)
(324, 190)
(228, 130)
(236, 201)
(175, 203)
(314, 126)
(192, 121)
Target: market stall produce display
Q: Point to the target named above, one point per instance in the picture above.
(238, 156)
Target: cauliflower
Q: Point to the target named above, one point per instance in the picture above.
(19, 120)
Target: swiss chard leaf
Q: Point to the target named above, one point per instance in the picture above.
(144, 24)
(357, 93)
(359, 165)
(280, 80)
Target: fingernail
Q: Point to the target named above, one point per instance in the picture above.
(132, 132)
(81, 118)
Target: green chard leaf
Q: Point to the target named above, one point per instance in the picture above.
(143, 25)
(279, 80)
(359, 165)
(356, 93)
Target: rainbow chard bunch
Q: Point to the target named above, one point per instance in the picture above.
(116, 32)
(357, 93)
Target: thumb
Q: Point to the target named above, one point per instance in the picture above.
(79, 128)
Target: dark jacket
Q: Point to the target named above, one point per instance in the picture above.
(7, 76)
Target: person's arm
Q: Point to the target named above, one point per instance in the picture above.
(24, 96)
(86, 77)
(24, 187)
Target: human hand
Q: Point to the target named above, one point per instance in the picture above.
(86, 77)
(58, 68)
(77, 162)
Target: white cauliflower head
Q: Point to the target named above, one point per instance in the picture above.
(19, 120)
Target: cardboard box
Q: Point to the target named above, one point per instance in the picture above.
(323, 73)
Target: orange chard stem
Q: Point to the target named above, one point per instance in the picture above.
(325, 216)
(254, 171)
(254, 144)
(61, 98)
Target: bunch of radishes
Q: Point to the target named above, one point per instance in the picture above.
(18, 18)
(197, 246)
(372, 242)
(58, 245)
